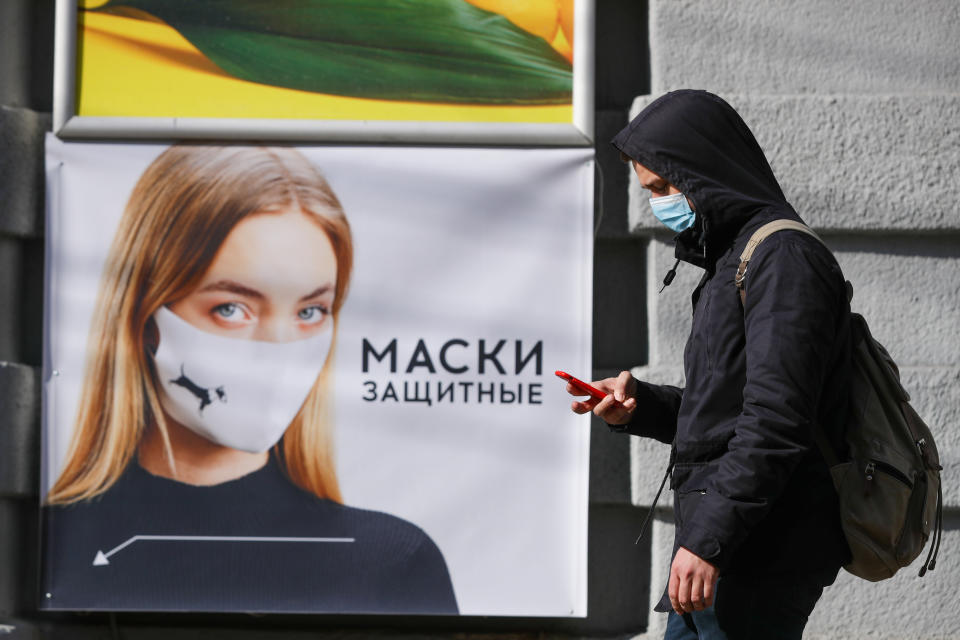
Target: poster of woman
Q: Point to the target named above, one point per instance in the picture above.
(313, 379)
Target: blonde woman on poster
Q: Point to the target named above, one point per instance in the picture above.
(200, 476)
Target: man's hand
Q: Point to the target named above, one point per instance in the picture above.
(617, 407)
(692, 582)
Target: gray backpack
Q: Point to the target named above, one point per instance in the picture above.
(888, 481)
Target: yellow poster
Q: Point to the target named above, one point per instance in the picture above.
(388, 60)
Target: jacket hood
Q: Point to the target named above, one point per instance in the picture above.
(701, 145)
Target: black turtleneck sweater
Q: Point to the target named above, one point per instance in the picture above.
(204, 549)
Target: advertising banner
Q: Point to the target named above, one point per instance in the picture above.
(316, 379)
(486, 70)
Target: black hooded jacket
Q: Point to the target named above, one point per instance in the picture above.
(752, 493)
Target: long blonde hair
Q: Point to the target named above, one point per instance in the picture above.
(180, 212)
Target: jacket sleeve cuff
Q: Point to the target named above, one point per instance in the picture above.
(656, 413)
(703, 544)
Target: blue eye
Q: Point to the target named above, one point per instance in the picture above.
(230, 311)
(313, 314)
(225, 310)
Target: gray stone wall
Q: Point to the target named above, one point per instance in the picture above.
(857, 106)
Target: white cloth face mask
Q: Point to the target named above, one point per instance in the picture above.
(239, 393)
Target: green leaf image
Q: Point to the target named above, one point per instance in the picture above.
(418, 50)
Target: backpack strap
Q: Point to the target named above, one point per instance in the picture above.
(759, 236)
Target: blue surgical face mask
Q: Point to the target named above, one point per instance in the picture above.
(673, 211)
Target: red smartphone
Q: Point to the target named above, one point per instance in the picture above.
(595, 393)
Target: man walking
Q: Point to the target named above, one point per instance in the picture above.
(758, 534)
